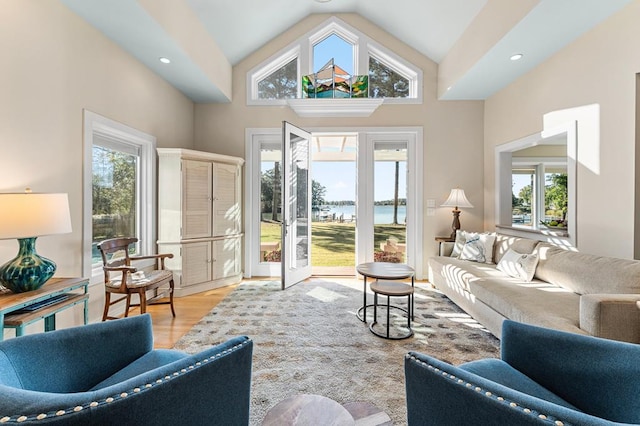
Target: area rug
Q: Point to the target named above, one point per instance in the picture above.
(308, 340)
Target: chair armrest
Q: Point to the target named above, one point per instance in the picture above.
(612, 316)
(161, 257)
(211, 387)
(122, 269)
(439, 393)
(599, 376)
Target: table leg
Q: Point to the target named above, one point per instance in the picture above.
(50, 323)
(86, 306)
(364, 300)
(412, 297)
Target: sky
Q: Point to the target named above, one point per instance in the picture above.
(339, 179)
(336, 48)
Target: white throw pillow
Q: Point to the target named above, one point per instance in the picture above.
(517, 265)
(478, 247)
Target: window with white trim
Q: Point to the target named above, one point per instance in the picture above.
(389, 76)
(119, 187)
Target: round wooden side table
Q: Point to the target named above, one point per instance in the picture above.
(383, 271)
(391, 289)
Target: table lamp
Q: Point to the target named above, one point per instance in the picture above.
(456, 199)
(26, 216)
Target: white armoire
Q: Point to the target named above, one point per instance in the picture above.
(199, 218)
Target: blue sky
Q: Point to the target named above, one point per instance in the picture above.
(339, 178)
(336, 48)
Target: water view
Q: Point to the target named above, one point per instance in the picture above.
(383, 215)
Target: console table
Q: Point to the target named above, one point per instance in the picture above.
(74, 289)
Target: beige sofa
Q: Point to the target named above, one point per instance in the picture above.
(570, 291)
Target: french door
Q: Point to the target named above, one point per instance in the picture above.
(296, 205)
(378, 149)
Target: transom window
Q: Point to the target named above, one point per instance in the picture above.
(365, 63)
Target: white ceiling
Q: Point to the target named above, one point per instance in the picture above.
(240, 27)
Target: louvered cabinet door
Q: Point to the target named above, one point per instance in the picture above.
(196, 263)
(197, 201)
(226, 199)
(226, 258)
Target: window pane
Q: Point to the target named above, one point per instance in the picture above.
(385, 82)
(281, 84)
(390, 205)
(556, 199)
(270, 204)
(115, 176)
(333, 47)
(523, 196)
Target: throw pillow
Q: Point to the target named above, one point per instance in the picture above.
(478, 247)
(517, 265)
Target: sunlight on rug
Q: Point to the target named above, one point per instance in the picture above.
(307, 339)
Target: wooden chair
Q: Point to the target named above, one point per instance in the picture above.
(116, 259)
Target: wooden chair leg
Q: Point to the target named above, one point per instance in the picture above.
(126, 309)
(143, 301)
(173, 312)
(107, 303)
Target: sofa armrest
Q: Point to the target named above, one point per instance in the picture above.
(446, 248)
(611, 316)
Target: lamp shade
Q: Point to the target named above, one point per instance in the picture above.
(26, 215)
(457, 199)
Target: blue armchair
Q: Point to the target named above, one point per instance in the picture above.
(108, 373)
(543, 377)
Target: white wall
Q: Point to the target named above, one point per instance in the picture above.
(592, 81)
(452, 130)
(54, 65)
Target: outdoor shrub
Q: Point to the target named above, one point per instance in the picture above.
(383, 256)
(273, 256)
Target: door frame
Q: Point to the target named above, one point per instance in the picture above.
(366, 136)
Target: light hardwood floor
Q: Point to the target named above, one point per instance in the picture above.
(167, 330)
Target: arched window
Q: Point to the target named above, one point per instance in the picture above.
(354, 62)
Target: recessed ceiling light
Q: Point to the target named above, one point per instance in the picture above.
(516, 57)
(323, 1)
(165, 60)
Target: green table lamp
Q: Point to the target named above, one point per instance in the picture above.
(26, 216)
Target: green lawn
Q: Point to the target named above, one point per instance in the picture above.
(333, 244)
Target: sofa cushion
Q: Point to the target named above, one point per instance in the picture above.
(535, 302)
(586, 273)
(505, 242)
(147, 362)
(460, 272)
(500, 372)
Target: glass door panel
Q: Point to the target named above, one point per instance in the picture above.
(296, 205)
(270, 202)
(390, 202)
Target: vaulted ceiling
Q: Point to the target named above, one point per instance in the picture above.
(472, 40)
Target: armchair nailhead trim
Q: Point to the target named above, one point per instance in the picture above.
(108, 400)
(488, 394)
